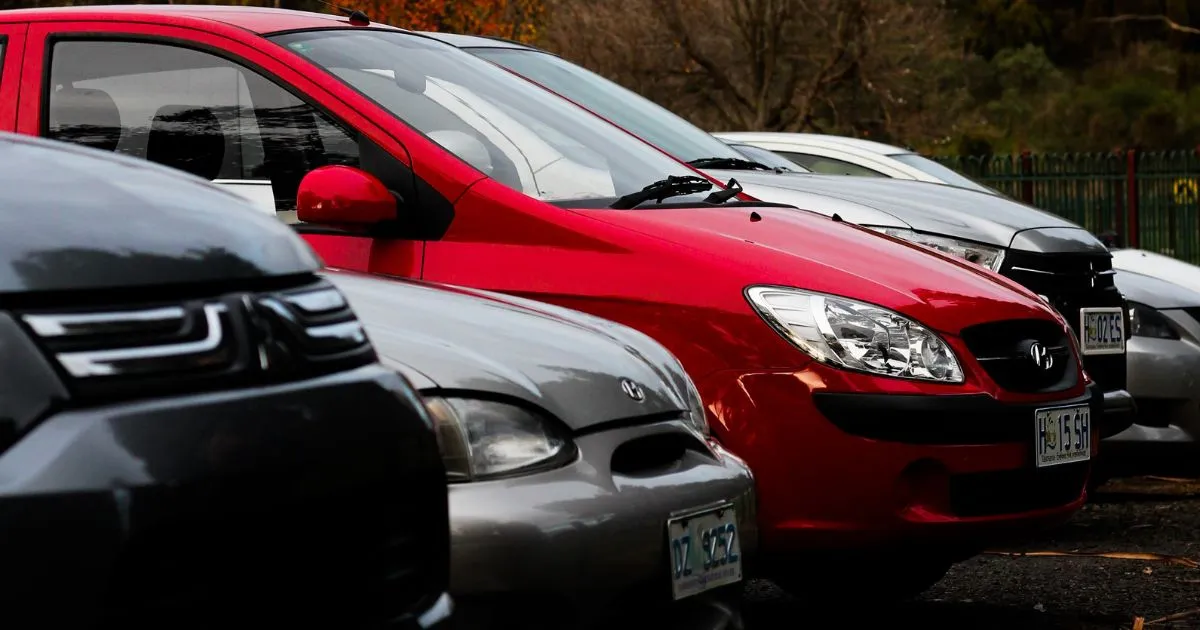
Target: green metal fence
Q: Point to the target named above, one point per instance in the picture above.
(1149, 199)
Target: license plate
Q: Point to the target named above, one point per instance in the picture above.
(1062, 435)
(1102, 330)
(705, 551)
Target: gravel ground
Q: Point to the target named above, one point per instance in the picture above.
(1132, 516)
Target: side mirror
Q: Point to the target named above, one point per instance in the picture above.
(343, 195)
(1111, 239)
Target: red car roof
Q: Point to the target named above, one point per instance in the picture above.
(256, 19)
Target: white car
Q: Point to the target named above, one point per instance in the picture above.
(839, 155)
(1152, 264)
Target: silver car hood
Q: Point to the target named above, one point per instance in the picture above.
(922, 206)
(1154, 292)
(762, 187)
(568, 363)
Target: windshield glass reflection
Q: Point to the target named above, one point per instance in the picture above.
(508, 128)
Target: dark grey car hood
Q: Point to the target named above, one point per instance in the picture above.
(922, 206)
(79, 218)
(1153, 292)
(568, 363)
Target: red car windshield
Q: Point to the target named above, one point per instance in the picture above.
(514, 131)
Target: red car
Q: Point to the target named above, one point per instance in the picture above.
(890, 400)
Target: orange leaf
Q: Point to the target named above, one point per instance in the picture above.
(1116, 555)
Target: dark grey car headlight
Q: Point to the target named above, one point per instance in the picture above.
(1147, 322)
(978, 253)
(485, 439)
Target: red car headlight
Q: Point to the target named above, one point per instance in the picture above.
(856, 336)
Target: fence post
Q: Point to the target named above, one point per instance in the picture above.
(1131, 204)
(1026, 177)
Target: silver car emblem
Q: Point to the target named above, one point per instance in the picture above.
(1041, 356)
(633, 390)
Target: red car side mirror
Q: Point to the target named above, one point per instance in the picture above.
(343, 195)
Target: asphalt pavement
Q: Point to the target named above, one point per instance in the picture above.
(1133, 553)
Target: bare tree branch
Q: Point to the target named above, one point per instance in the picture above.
(1166, 21)
(670, 10)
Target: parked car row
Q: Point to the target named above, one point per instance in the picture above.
(645, 383)
(1057, 260)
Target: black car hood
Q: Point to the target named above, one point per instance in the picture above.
(77, 218)
(926, 207)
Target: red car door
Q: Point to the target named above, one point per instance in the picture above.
(12, 47)
(221, 103)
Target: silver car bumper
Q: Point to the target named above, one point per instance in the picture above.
(585, 538)
(1163, 378)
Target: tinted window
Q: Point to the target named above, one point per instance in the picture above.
(508, 128)
(828, 166)
(193, 111)
(945, 174)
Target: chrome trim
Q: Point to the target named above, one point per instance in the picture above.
(317, 301)
(346, 330)
(1108, 272)
(72, 324)
(163, 340)
(103, 362)
(1042, 271)
(440, 611)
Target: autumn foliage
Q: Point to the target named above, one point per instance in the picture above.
(510, 19)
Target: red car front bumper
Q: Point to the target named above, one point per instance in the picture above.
(859, 471)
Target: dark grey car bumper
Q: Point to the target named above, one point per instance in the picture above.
(291, 502)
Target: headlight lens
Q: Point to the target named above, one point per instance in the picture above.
(856, 336)
(483, 439)
(990, 257)
(1147, 322)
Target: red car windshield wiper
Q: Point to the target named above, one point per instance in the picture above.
(673, 186)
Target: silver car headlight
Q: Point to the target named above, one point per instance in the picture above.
(1148, 322)
(983, 255)
(855, 335)
(484, 439)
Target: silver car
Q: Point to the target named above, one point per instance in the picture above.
(1164, 367)
(584, 484)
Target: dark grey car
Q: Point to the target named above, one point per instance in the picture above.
(584, 484)
(1052, 257)
(194, 430)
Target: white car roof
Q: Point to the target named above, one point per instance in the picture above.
(814, 139)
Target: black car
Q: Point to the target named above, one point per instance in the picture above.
(196, 432)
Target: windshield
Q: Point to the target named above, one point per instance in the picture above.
(639, 115)
(515, 132)
(946, 174)
(768, 158)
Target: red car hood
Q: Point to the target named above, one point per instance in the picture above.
(781, 246)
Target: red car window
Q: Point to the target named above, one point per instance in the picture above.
(190, 110)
